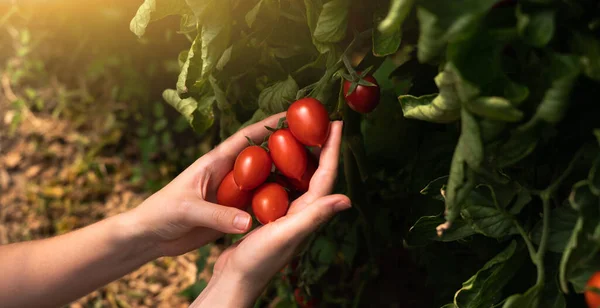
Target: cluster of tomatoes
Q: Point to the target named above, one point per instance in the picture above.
(286, 148)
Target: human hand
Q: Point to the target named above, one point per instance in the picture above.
(243, 270)
(183, 216)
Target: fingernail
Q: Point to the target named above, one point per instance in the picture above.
(340, 206)
(241, 222)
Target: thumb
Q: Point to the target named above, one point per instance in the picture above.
(218, 217)
(319, 212)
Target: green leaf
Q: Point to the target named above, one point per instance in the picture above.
(484, 288)
(495, 108)
(589, 50)
(387, 37)
(594, 177)
(399, 9)
(522, 141)
(258, 116)
(584, 244)
(323, 250)
(562, 220)
(479, 63)
(580, 276)
(467, 157)
(267, 12)
(229, 123)
(194, 290)
(216, 33)
(386, 43)
(482, 211)
(332, 22)
(424, 231)
(278, 97)
(152, 10)
(191, 68)
(445, 21)
(199, 114)
(562, 71)
(251, 15)
(536, 28)
(529, 299)
(438, 108)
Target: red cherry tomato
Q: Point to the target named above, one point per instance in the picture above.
(308, 121)
(270, 202)
(364, 98)
(252, 167)
(229, 194)
(592, 298)
(302, 184)
(289, 156)
(302, 302)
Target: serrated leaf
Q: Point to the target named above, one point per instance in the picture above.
(562, 71)
(229, 123)
(215, 34)
(485, 216)
(265, 11)
(251, 15)
(332, 22)
(438, 108)
(528, 299)
(152, 10)
(424, 231)
(258, 116)
(478, 62)
(495, 108)
(278, 97)
(191, 68)
(584, 242)
(483, 288)
(589, 49)
(313, 11)
(562, 220)
(536, 28)
(199, 114)
(399, 9)
(445, 21)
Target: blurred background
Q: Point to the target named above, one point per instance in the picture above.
(85, 133)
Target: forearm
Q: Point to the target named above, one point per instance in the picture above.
(229, 290)
(55, 271)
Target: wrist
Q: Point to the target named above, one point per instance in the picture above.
(228, 290)
(130, 237)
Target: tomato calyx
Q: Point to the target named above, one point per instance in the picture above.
(262, 145)
(355, 78)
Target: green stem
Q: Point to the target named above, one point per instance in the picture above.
(528, 243)
(544, 240)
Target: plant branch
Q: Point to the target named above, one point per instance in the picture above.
(544, 240)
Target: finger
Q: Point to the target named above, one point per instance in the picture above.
(231, 147)
(323, 180)
(214, 216)
(317, 213)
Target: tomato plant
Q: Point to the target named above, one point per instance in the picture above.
(230, 194)
(362, 98)
(289, 156)
(308, 121)
(270, 202)
(477, 175)
(252, 167)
